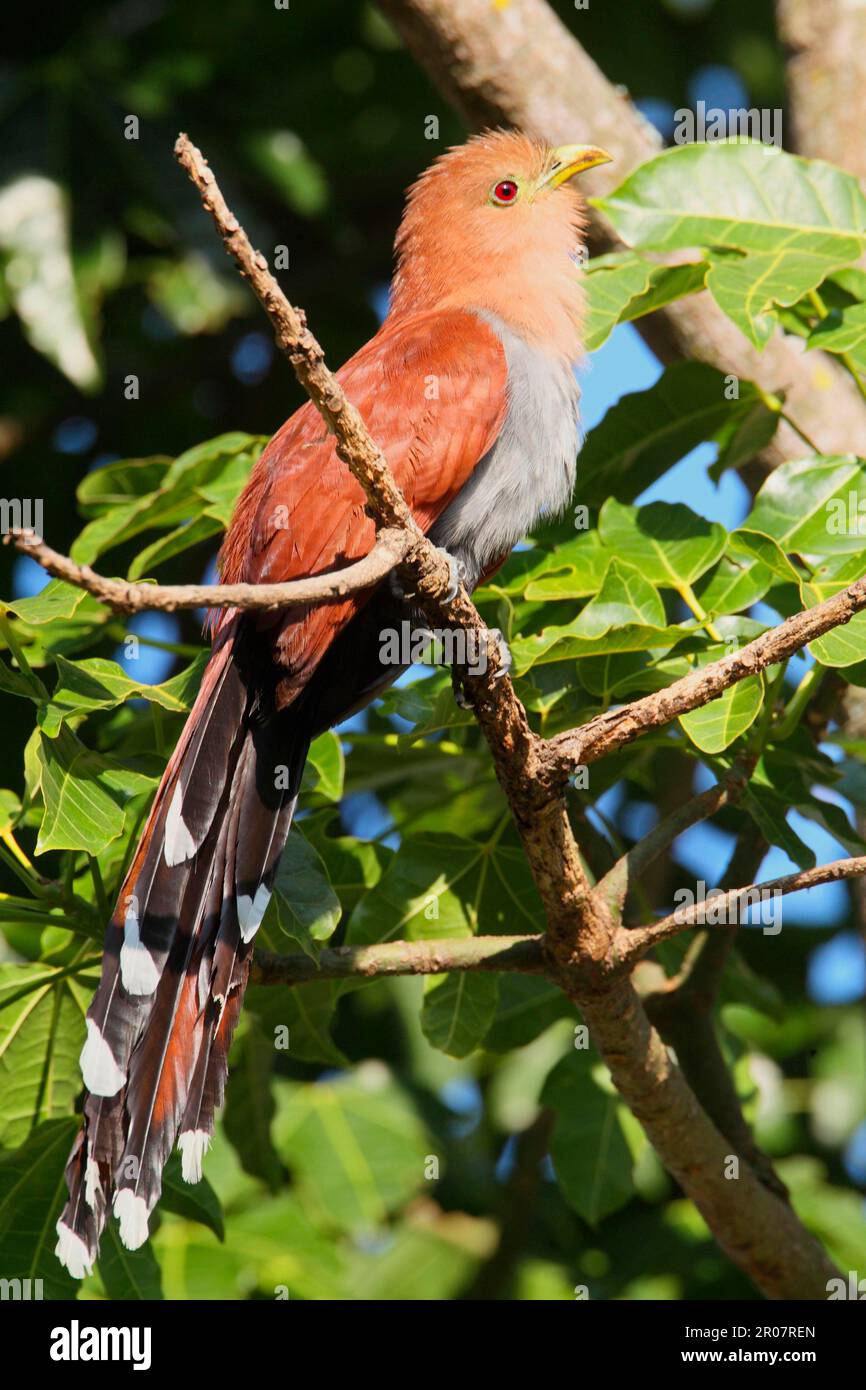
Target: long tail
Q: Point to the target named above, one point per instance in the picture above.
(177, 955)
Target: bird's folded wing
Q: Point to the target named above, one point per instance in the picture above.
(432, 389)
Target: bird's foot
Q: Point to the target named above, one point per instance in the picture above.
(503, 652)
(456, 573)
(461, 699)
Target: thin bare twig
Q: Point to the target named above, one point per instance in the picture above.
(634, 942)
(615, 728)
(615, 884)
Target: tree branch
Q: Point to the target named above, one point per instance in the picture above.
(682, 1009)
(634, 942)
(826, 77)
(520, 953)
(759, 1232)
(615, 728)
(516, 750)
(615, 884)
(123, 596)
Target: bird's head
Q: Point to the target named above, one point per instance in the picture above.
(497, 224)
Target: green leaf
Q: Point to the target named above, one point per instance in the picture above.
(715, 726)
(647, 432)
(41, 1035)
(622, 287)
(325, 759)
(304, 906)
(770, 813)
(766, 551)
(250, 1107)
(175, 542)
(668, 544)
(428, 705)
(119, 481)
(733, 585)
(667, 283)
(458, 1010)
(590, 1154)
(355, 1145)
(298, 1021)
(573, 570)
(32, 1195)
(438, 885)
(193, 1201)
(10, 810)
(610, 283)
(564, 643)
(128, 1275)
(352, 865)
(845, 645)
(805, 505)
(274, 1243)
(55, 602)
(792, 221)
(84, 795)
(843, 331)
(93, 684)
(626, 597)
(525, 1008)
(175, 501)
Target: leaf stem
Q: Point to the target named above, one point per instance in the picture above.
(844, 357)
(691, 600)
(798, 702)
(99, 888)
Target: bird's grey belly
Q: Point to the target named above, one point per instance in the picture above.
(529, 471)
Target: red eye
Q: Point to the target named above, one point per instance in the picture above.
(505, 191)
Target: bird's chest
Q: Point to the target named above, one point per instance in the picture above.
(528, 472)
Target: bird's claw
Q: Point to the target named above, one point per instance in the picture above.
(456, 573)
(461, 699)
(503, 652)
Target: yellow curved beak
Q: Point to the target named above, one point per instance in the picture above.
(569, 160)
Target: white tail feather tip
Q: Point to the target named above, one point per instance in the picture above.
(132, 1213)
(193, 1145)
(71, 1251)
(179, 844)
(102, 1075)
(252, 910)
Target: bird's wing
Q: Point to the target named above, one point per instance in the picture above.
(432, 390)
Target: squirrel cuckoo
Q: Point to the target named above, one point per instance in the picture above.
(469, 389)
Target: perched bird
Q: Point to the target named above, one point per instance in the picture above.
(469, 389)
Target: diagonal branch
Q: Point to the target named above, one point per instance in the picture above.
(615, 884)
(123, 596)
(634, 942)
(615, 728)
(578, 945)
(574, 918)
